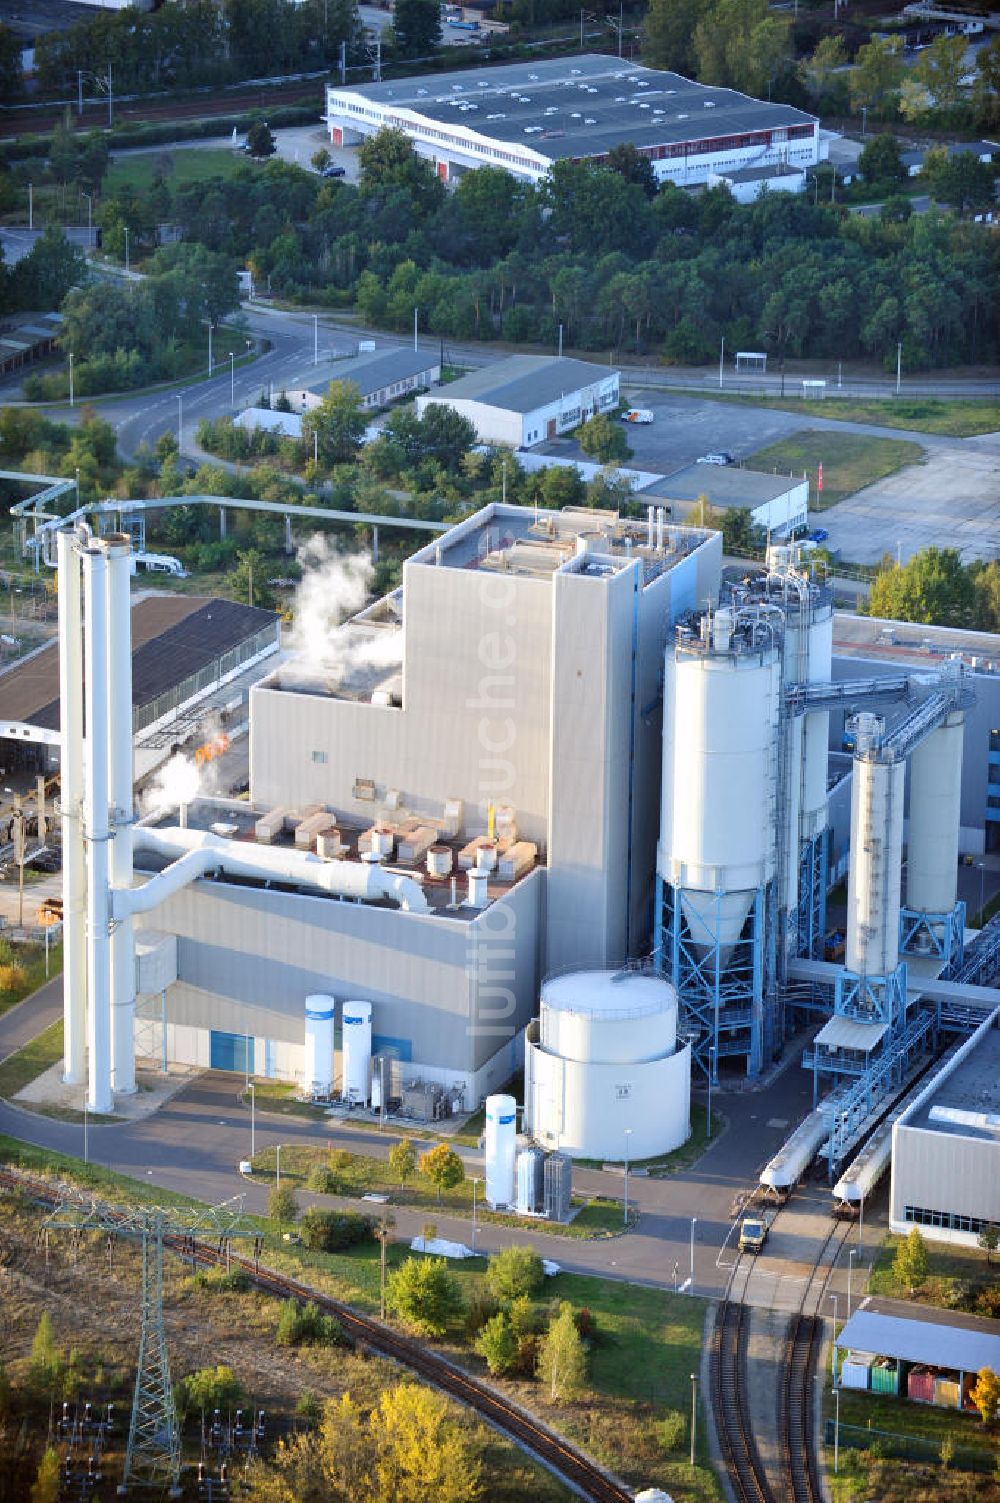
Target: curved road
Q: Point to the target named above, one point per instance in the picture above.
(195, 1141)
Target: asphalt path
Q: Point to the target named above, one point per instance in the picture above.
(194, 1143)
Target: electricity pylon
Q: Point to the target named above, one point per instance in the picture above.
(153, 1454)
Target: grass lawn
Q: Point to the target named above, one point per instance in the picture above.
(28, 1063)
(955, 1275)
(850, 461)
(357, 1174)
(31, 959)
(958, 417)
(187, 164)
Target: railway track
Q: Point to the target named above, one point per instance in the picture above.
(729, 1389)
(802, 1347)
(570, 1465)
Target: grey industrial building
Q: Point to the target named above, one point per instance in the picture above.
(946, 1147)
(516, 671)
(529, 398)
(525, 116)
(778, 503)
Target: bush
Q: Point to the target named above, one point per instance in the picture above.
(513, 1273)
(424, 1295)
(207, 1389)
(282, 1205)
(525, 1317)
(306, 1325)
(585, 1324)
(333, 1231)
(12, 976)
(498, 1346)
(481, 1309)
(308, 1407)
(234, 1282)
(672, 1430)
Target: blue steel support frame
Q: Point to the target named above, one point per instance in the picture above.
(940, 934)
(732, 1005)
(872, 999)
(813, 862)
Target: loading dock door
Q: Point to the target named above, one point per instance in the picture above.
(231, 1051)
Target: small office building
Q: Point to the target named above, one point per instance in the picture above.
(381, 376)
(528, 399)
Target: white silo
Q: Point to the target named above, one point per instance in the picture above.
(604, 1077)
(872, 947)
(318, 1072)
(722, 698)
(499, 1149)
(356, 1043)
(935, 816)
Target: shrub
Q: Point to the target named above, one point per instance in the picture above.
(481, 1309)
(672, 1430)
(220, 1282)
(282, 1205)
(12, 976)
(497, 1345)
(525, 1317)
(424, 1295)
(308, 1407)
(333, 1231)
(207, 1389)
(514, 1272)
(585, 1323)
(306, 1325)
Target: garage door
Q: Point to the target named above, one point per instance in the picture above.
(230, 1051)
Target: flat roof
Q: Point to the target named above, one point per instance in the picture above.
(760, 174)
(965, 1099)
(372, 371)
(577, 106)
(525, 382)
(910, 642)
(849, 1033)
(172, 637)
(937, 1339)
(724, 485)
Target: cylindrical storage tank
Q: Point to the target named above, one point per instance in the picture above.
(357, 1051)
(872, 947)
(719, 808)
(530, 1166)
(603, 1075)
(478, 893)
(486, 856)
(499, 1148)
(439, 861)
(935, 816)
(318, 1071)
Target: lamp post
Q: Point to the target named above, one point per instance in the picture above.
(277, 1163)
(850, 1269)
(90, 213)
(836, 1430)
(722, 356)
(694, 1223)
(833, 1343)
(861, 1224)
(711, 1074)
(31, 206)
(71, 378)
(209, 322)
(315, 339)
(899, 366)
(253, 1120)
(180, 420)
(628, 1134)
(694, 1413)
(476, 1181)
(232, 380)
(86, 1143)
(125, 228)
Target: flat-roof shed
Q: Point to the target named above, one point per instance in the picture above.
(934, 1339)
(778, 503)
(381, 376)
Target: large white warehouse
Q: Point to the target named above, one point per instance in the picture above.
(604, 1077)
(525, 116)
(529, 398)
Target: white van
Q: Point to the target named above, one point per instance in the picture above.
(637, 415)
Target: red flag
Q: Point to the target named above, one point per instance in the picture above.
(819, 479)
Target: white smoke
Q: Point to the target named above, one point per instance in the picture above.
(178, 782)
(335, 586)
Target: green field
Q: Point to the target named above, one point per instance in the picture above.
(954, 1274)
(185, 164)
(31, 960)
(850, 461)
(952, 417)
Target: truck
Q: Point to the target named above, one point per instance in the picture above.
(637, 415)
(753, 1234)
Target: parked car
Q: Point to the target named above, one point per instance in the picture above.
(334, 171)
(819, 536)
(722, 456)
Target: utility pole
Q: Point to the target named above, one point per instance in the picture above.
(899, 366)
(79, 91)
(416, 314)
(71, 378)
(315, 339)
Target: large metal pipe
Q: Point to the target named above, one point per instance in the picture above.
(70, 795)
(95, 569)
(120, 785)
(935, 816)
(195, 853)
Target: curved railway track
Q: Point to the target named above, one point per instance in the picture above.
(729, 1400)
(572, 1466)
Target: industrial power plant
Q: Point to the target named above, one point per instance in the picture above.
(569, 801)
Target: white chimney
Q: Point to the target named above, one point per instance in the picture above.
(70, 798)
(120, 785)
(95, 578)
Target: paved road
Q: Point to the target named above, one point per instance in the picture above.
(30, 1017)
(194, 1143)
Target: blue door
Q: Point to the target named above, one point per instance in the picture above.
(230, 1051)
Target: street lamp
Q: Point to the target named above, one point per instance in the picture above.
(694, 1412)
(833, 1343)
(125, 228)
(232, 380)
(90, 214)
(982, 890)
(899, 366)
(850, 1269)
(476, 1181)
(277, 1162)
(315, 339)
(836, 1430)
(628, 1134)
(711, 1073)
(71, 378)
(209, 322)
(180, 420)
(253, 1120)
(694, 1223)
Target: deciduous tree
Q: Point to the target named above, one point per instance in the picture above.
(911, 1263)
(514, 1272)
(986, 1394)
(604, 440)
(562, 1357)
(424, 1295)
(443, 1167)
(402, 1160)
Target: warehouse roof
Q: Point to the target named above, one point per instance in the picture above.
(525, 382)
(724, 485)
(965, 1100)
(939, 1339)
(372, 372)
(172, 637)
(576, 106)
(903, 641)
